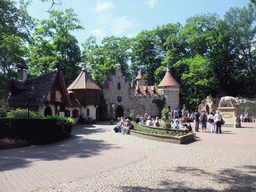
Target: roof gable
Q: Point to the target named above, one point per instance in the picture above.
(83, 81)
(40, 86)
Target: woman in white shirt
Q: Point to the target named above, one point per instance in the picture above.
(211, 122)
(217, 120)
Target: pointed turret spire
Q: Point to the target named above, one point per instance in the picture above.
(168, 80)
(168, 68)
(84, 66)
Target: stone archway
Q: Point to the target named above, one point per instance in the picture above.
(47, 111)
(119, 112)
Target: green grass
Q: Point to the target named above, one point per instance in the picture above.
(137, 127)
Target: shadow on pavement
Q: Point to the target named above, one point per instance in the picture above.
(75, 146)
(238, 179)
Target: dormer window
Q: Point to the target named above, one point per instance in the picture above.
(119, 86)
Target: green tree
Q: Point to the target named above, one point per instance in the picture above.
(196, 81)
(14, 20)
(15, 26)
(241, 25)
(103, 60)
(145, 55)
(53, 42)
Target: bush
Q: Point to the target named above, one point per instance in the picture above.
(132, 114)
(21, 113)
(3, 109)
(165, 114)
(65, 123)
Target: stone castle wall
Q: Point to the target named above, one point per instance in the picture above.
(140, 103)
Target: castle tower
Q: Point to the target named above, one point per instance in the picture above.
(170, 89)
(140, 79)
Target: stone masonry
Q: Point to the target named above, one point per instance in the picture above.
(124, 97)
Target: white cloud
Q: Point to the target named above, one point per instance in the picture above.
(104, 18)
(151, 3)
(98, 33)
(104, 6)
(120, 25)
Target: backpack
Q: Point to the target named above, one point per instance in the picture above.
(203, 117)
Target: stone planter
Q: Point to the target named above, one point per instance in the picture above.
(165, 138)
(162, 128)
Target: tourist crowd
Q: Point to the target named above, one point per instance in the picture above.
(214, 121)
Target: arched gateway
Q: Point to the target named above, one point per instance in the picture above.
(119, 111)
(47, 111)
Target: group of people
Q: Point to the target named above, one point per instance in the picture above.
(123, 126)
(148, 120)
(214, 119)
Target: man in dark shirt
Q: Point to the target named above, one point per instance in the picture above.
(203, 119)
(196, 117)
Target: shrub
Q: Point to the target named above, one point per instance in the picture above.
(165, 113)
(3, 109)
(21, 113)
(65, 123)
(132, 114)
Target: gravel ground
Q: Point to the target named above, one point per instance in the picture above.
(225, 162)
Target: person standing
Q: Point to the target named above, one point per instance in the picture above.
(211, 122)
(218, 119)
(203, 119)
(196, 118)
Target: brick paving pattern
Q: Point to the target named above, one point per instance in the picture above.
(97, 159)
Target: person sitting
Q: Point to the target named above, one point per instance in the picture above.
(246, 117)
(137, 120)
(118, 127)
(148, 122)
(175, 125)
(157, 123)
(126, 127)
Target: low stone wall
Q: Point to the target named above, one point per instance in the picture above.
(165, 138)
(162, 128)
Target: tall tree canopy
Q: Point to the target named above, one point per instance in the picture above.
(53, 42)
(15, 27)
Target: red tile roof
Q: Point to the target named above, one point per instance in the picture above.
(140, 76)
(152, 90)
(168, 81)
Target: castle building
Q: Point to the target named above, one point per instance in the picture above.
(122, 98)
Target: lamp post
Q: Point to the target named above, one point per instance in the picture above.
(30, 95)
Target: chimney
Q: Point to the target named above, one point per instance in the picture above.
(22, 71)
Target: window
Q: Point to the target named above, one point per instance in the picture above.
(119, 86)
(67, 113)
(75, 113)
(88, 112)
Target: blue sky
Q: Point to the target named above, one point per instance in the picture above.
(129, 17)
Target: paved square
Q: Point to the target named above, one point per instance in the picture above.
(97, 159)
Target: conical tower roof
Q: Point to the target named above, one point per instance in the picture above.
(168, 80)
(84, 81)
(140, 76)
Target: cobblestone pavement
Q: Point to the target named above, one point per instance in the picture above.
(97, 159)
